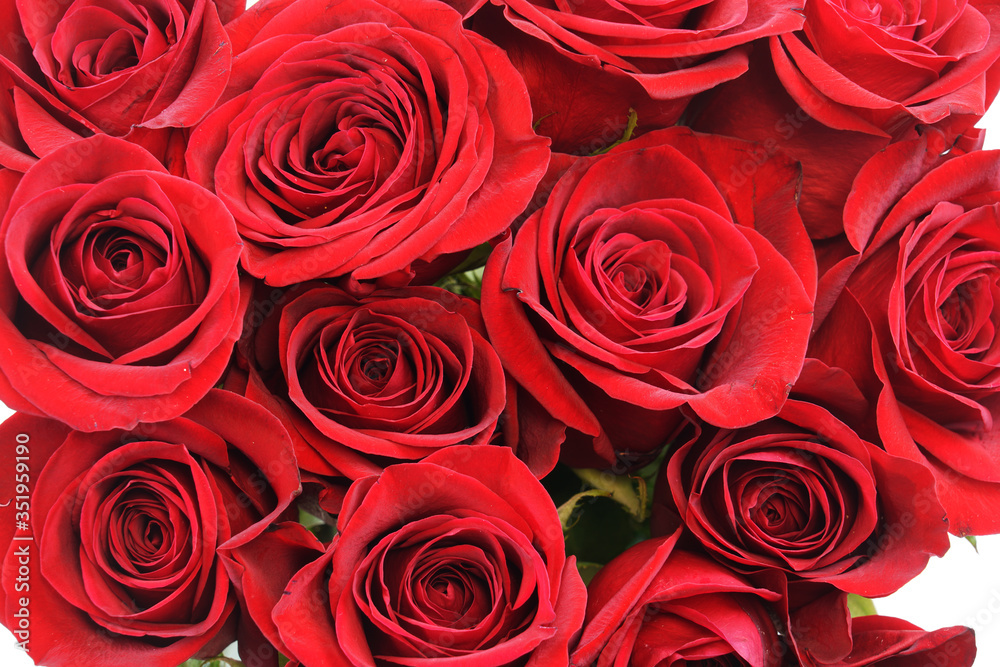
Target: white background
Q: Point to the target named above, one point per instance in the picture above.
(963, 588)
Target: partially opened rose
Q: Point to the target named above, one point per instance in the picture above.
(458, 558)
(925, 300)
(119, 288)
(395, 375)
(649, 280)
(125, 527)
(125, 64)
(657, 605)
(367, 138)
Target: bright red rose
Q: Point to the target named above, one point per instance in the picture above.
(881, 68)
(459, 558)
(36, 124)
(123, 65)
(395, 375)
(803, 494)
(367, 138)
(926, 294)
(119, 289)
(652, 279)
(125, 528)
(656, 605)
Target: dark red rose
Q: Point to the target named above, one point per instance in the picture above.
(831, 107)
(367, 138)
(802, 493)
(672, 49)
(395, 375)
(261, 568)
(655, 604)
(458, 557)
(125, 529)
(756, 107)
(892, 642)
(588, 63)
(651, 280)
(926, 294)
(123, 65)
(119, 288)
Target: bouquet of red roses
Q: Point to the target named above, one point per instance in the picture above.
(519, 332)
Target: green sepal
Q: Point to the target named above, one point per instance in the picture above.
(860, 606)
(629, 492)
(567, 509)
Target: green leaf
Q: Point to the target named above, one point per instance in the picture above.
(860, 606)
(567, 509)
(972, 541)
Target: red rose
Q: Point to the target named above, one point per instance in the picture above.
(459, 557)
(917, 62)
(367, 138)
(398, 374)
(37, 124)
(120, 304)
(588, 63)
(655, 605)
(123, 65)
(832, 106)
(892, 642)
(647, 282)
(803, 494)
(926, 294)
(261, 568)
(121, 545)
(673, 49)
